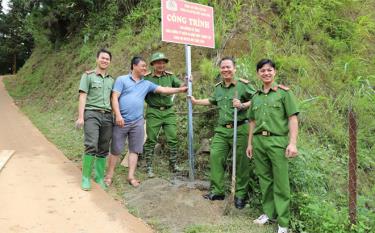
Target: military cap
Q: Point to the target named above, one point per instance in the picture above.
(158, 56)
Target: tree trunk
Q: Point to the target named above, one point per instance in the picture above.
(14, 63)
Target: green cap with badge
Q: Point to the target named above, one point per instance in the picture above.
(158, 56)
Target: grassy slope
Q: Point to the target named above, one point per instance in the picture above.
(324, 51)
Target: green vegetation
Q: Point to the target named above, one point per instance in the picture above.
(323, 49)
(16, 41)
(238, 225)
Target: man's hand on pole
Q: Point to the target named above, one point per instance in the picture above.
(237, 103)
(183, 89)
(193, 100)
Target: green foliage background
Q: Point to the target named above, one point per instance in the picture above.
(324, 51)
(16, 41)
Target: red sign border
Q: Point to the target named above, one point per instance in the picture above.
(199, 45)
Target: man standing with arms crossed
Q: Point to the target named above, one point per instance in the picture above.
(95, 115)
(230, 93)
(160, 113)
(128, 97)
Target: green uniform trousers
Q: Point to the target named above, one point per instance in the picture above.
(221, 147)
(98, 132)
(155, 120)
(271, 166)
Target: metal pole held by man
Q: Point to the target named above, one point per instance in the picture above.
(190, 112)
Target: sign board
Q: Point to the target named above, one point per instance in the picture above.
(4, 157)
(187, 23)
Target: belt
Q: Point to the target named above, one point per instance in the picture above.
(99, 110)
(231, 124)
(265, 133)
(160, 108)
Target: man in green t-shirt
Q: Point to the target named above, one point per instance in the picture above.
(160, 113)
(228, 94)
(95, 115)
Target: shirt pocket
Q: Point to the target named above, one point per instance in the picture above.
(108, 90)
(277, 109)
(219, 98)
(276, 105)
(256, 111)
(97, 84)
(225, 103)
(107, 95)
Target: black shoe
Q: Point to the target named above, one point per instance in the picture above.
(239, 203)
(213, 197)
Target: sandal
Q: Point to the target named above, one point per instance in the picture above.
(108, 181)
(134, 182)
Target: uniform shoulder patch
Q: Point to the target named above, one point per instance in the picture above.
(168, 72)
(244, 80)
(285, 88)
(89, 71)
(217, 84)
(148, 73)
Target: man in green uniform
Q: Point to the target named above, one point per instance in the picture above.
(160, 112)
(272, 140)
(229, 93)
(95, 115)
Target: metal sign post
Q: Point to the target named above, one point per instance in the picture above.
(188, 23)
(190, 112)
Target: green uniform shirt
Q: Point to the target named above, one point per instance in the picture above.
(166, 80)
(223, 98)
(271, 110)
(98, 89)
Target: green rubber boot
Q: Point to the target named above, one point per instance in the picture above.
(173, 160)
(149, 152)
(150, 172)
(99, 171)
(86, 171)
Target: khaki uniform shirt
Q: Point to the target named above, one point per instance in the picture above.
(98, 89)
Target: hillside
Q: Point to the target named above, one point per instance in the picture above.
(324, 51)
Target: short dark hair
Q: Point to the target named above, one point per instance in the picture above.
(104, 51)
(265, 61)
(228, 58)
(135, 61)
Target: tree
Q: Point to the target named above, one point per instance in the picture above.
(53, 23)
(16, 42)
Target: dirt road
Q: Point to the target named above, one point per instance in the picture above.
(39, 186)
